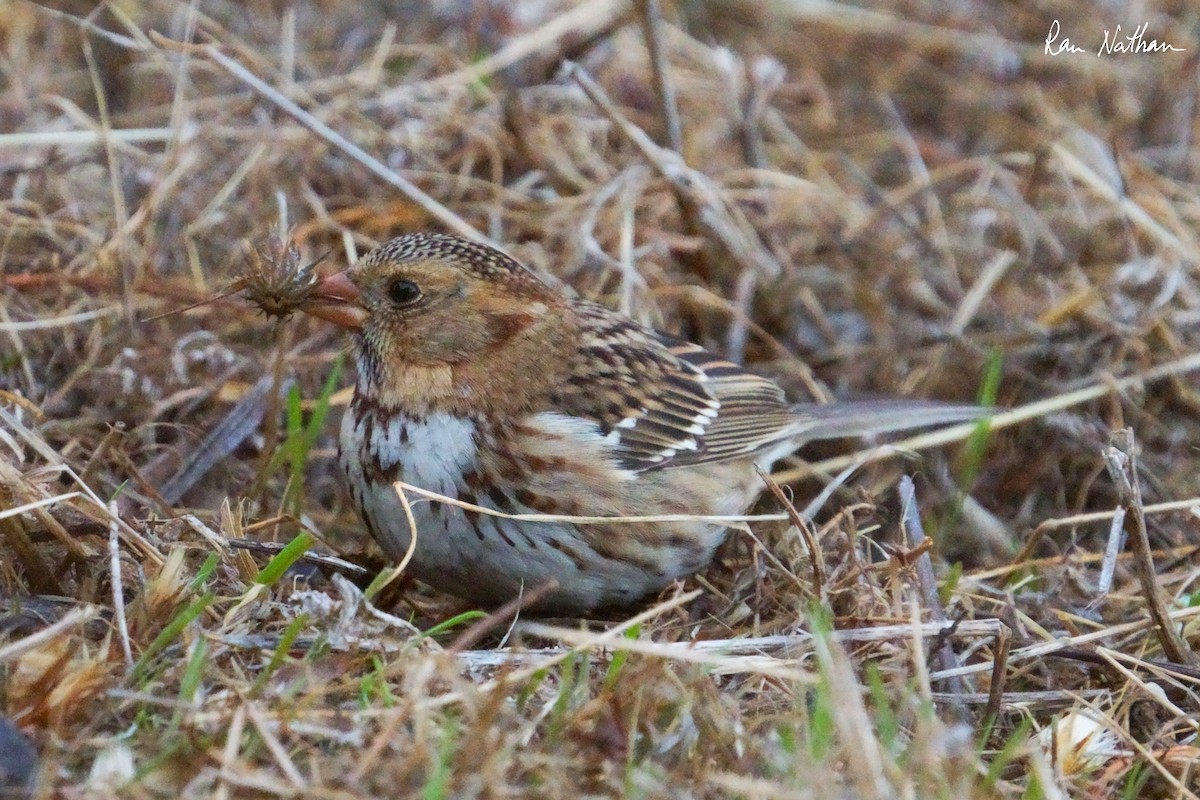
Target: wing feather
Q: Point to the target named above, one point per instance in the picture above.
(665, 402)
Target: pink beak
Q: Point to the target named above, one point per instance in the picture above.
(336, 299)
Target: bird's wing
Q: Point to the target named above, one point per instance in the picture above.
(664, 402)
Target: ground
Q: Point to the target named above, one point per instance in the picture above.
(905, 199)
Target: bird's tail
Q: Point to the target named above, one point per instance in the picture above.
(871, 417)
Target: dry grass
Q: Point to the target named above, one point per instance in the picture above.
(906, 200)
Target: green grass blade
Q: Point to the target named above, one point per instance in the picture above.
(281, 650)
(453, 622)
(170, 632)
(619, 657)
(321, 407)
(285, 558)
(193, 675)
(204, 573)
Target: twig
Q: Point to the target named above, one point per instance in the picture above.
(1184, 551)
(995, 695)
(804, 526)
(906, 142)
(45, 501)
(182, 73)
(274, 746)
(1171, 675)
(1136, 213)
(271, 393)
(118, 591)
(1072, 521)
(431, 206)
(25, 403)
(42, 577)
(219, 543)
(718, 663)
(504, 613)
(585, 20)
(1121, 462)
(135, 539)
(713, 213)
(927, 582)
(1053, 646)
(59, 322)
(25, 139)
(120, 212)
(90, 27)
(817, 503)
(229, 754)
(989, 276)
(743, 297)
(1116, 543)
(750, 91)
(748, 645)
(650, 12)
(398, 488)
(605, 638)
(728, 519)
(333, 564)
(691, 651)
(887, 206)
(74, 617)
(1030, 699)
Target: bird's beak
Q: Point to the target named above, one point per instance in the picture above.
(336, 299)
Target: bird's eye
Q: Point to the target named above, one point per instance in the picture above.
(403, 293)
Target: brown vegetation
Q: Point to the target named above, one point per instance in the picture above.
(899, 201)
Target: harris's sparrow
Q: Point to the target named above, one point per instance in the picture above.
(477, 381)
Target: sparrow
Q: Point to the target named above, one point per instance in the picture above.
(478, 382)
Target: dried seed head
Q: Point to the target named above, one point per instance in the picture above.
(273, 277)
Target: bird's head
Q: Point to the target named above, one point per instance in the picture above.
(443, 323)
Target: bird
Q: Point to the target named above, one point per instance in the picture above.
(478, 382)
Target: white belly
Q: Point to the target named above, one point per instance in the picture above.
(434, 454)
(473, 555)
